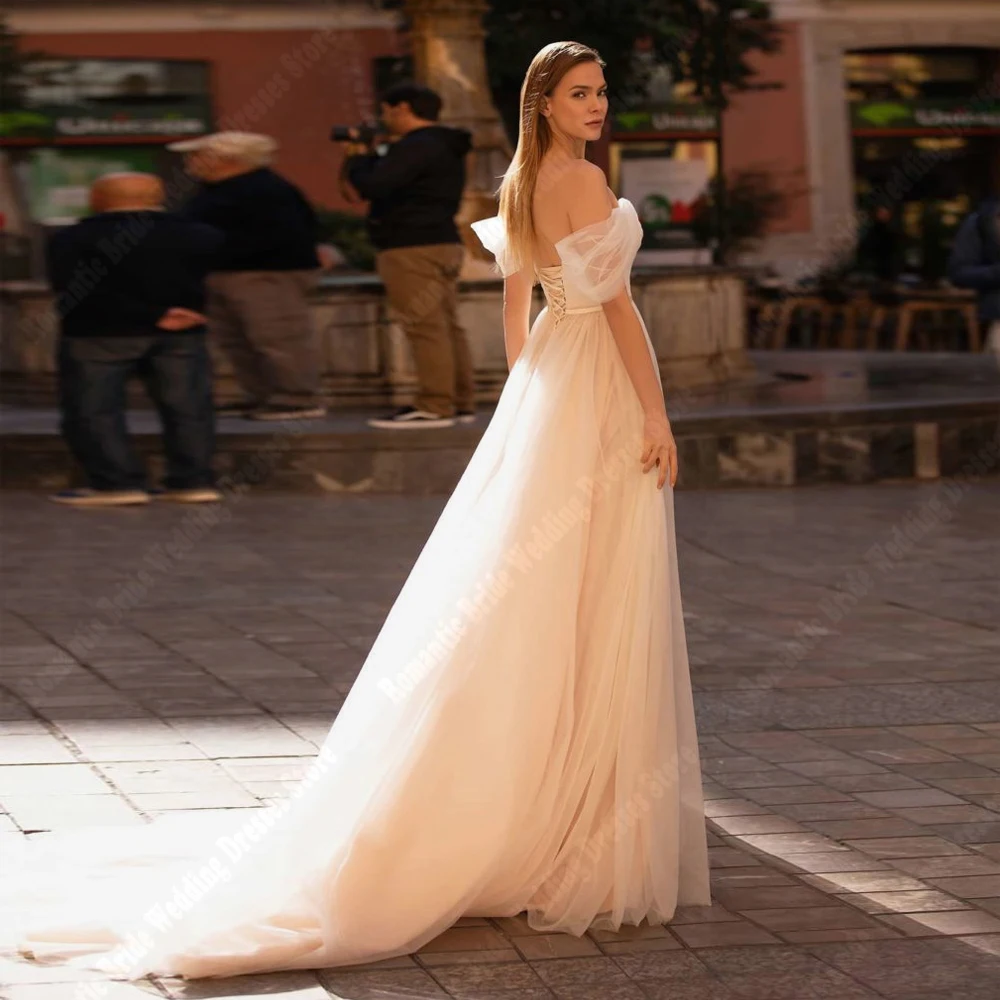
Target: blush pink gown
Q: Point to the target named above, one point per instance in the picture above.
(521, 736)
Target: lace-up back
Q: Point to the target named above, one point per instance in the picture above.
(551, 280)
(596, 260)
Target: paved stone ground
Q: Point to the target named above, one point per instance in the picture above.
(845, 650)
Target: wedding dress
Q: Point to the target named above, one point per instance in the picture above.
(520, 738)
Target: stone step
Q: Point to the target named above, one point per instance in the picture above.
(806, 446)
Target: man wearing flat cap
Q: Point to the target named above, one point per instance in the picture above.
(257, 305)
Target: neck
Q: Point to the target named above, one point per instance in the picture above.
(567, 147)
(131, 206)
(224, 175)
(417, 123)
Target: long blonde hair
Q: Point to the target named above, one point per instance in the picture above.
(534, 136)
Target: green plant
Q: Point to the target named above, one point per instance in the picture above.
(739, 209)
(349, 234)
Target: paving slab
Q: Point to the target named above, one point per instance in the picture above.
(851, 757)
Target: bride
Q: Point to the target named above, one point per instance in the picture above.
(521, 737)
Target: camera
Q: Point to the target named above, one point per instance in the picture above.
(365, 133)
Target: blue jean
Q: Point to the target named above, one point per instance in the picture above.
(176, 370)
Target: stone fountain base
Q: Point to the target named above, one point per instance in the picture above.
(696, 320)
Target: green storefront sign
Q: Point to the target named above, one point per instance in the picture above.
(668, 118)
(102, 121)
(59, 179)
(906, 116)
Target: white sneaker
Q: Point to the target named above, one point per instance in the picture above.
(409, 417)
(466, 416)
(196, 494)
(100, 498)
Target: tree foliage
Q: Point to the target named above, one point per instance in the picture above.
(710, 43)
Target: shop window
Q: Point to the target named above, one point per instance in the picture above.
(926, 139)
(66, 99)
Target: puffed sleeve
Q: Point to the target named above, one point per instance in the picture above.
(493, 236)
(597, 259)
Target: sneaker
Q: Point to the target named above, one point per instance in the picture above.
(271, 412)
(193, 494)
(466, 416)
(410, 417)
(100, 498)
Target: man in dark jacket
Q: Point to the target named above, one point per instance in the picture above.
(258, 305)
(975, 263)
(415, 190)
(129, 284)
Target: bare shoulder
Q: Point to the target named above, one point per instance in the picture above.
(585, 179)
(585, 194)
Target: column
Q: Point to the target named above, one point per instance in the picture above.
(446, 38)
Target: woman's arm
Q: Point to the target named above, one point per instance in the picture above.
(589, 204)
(516, 310)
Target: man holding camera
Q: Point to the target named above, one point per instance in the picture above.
(414, 191)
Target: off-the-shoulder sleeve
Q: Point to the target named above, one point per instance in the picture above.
(493, 236)
(597, 258)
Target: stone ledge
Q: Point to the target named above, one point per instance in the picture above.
(719, 454)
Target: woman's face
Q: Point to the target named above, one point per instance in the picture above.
(578, 105)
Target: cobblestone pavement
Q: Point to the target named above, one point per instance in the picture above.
(845, 650)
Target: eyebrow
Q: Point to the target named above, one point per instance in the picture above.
(584, 86)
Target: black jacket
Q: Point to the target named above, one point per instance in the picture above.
(881, 250)
(415, 189)
(975, 257)
(117, 273)
(268, 223)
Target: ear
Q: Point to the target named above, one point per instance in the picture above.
(545, 110)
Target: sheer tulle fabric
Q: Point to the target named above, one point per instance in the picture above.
(492, 236)
(520, 738)
(596, 260)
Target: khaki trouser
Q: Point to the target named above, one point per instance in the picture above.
(421, 284)
(262, 322)
(993, 337)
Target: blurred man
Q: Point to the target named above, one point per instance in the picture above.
(881, 250)
(129, 283)
(975, 263)
(415, 190)
(258, 292)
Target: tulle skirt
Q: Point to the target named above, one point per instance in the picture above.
(520, 738)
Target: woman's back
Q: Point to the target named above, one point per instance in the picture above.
(566, 193)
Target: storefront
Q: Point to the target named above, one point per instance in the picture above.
(663, 154)
(925, 129)
(80, 118)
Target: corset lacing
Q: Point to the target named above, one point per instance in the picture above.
(555, 293)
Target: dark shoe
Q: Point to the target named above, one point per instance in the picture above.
(466, 416)
(235, 409)
(100, 498)
(193, 494)
(410, 417)
(271, 412)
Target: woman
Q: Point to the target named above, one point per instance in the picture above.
(521, 736)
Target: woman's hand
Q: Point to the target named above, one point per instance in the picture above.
(659, 450)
